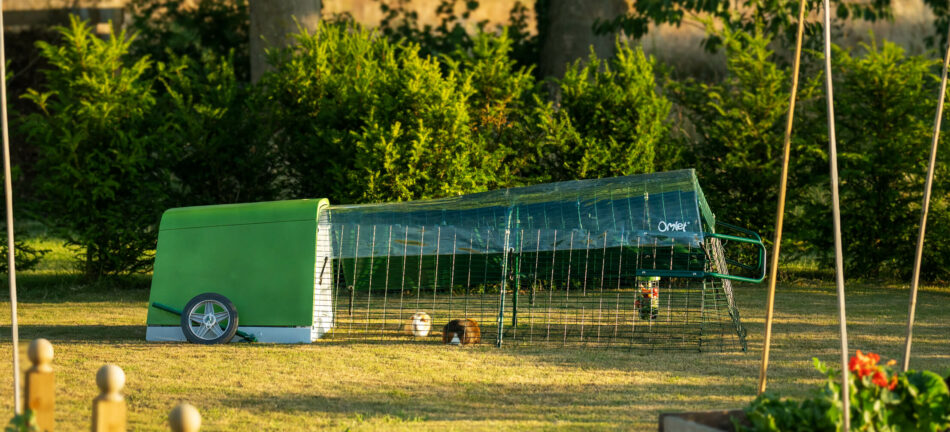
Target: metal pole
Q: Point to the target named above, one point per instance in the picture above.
(780, 213)
(8, 188)
(504, 279)
(836, 218)
(915, 280)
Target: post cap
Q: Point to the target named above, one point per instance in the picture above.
(110, 380)
(184, 418)
(40, 353)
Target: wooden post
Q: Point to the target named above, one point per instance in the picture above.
(780, 214)
(40, 384)
(108, 409)
(925, 207)
(11, 248)
(184, 418)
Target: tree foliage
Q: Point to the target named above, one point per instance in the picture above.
(219, 149)
(366, 116)
(608, 121)
(776, 16)
(884, 103)
(102, 185)
(737, 127)
(195, 29)
(941, 10)
(401, 23)
(27, 256)
(884, 107)
(501, 100)
(363, 119)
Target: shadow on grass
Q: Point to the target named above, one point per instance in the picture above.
(80, 333)
(583, 403)
(71, 287)
(664, 381)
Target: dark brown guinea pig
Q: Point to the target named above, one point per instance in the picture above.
(461, 332)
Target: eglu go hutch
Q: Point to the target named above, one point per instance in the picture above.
(263, 257)
(633, 261)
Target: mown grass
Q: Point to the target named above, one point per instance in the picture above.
(405, 386)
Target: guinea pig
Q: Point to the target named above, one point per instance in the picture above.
(461, 332)
(419, 325)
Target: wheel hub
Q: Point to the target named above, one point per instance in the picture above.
(205, 321)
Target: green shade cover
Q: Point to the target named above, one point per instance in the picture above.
(654, 221)
(659, 209)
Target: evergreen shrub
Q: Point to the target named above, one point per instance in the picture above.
(361, 119)
(218, 140)
(102, 185)
(885, 103)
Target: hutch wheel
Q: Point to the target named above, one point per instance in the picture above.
(209, 319)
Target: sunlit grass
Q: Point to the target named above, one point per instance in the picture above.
(408, 386)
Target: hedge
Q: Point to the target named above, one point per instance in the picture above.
(357, 115)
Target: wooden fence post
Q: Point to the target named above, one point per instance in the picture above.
(40, 384)
(108, 409)
(184, 418)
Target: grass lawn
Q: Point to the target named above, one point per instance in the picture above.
(399, 386)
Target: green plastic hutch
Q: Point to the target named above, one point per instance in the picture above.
(271, 259)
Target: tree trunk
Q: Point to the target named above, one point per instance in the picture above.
(569, 34)
(272, 21)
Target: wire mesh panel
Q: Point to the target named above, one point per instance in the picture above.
(572, 263)
(377, 294)
(722, 288)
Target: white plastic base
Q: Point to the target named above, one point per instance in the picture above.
(263, 334)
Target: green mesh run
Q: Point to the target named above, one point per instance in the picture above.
(553, 263)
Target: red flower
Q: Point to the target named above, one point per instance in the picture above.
(893, 383)
(879, 379)
(864, 365)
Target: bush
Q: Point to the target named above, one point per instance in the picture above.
(23, 72)
(608, 120)
(379, 122)
(217, 138)
(885, 103)
(502, 94)
(737, 129)
(362, 119)
(362, 116)
(102, 186)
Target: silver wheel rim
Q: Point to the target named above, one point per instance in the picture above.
(208, 320)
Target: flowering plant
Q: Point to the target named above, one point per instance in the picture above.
(881, 400)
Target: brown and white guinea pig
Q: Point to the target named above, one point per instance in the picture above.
(418, 325)
(461, 332)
